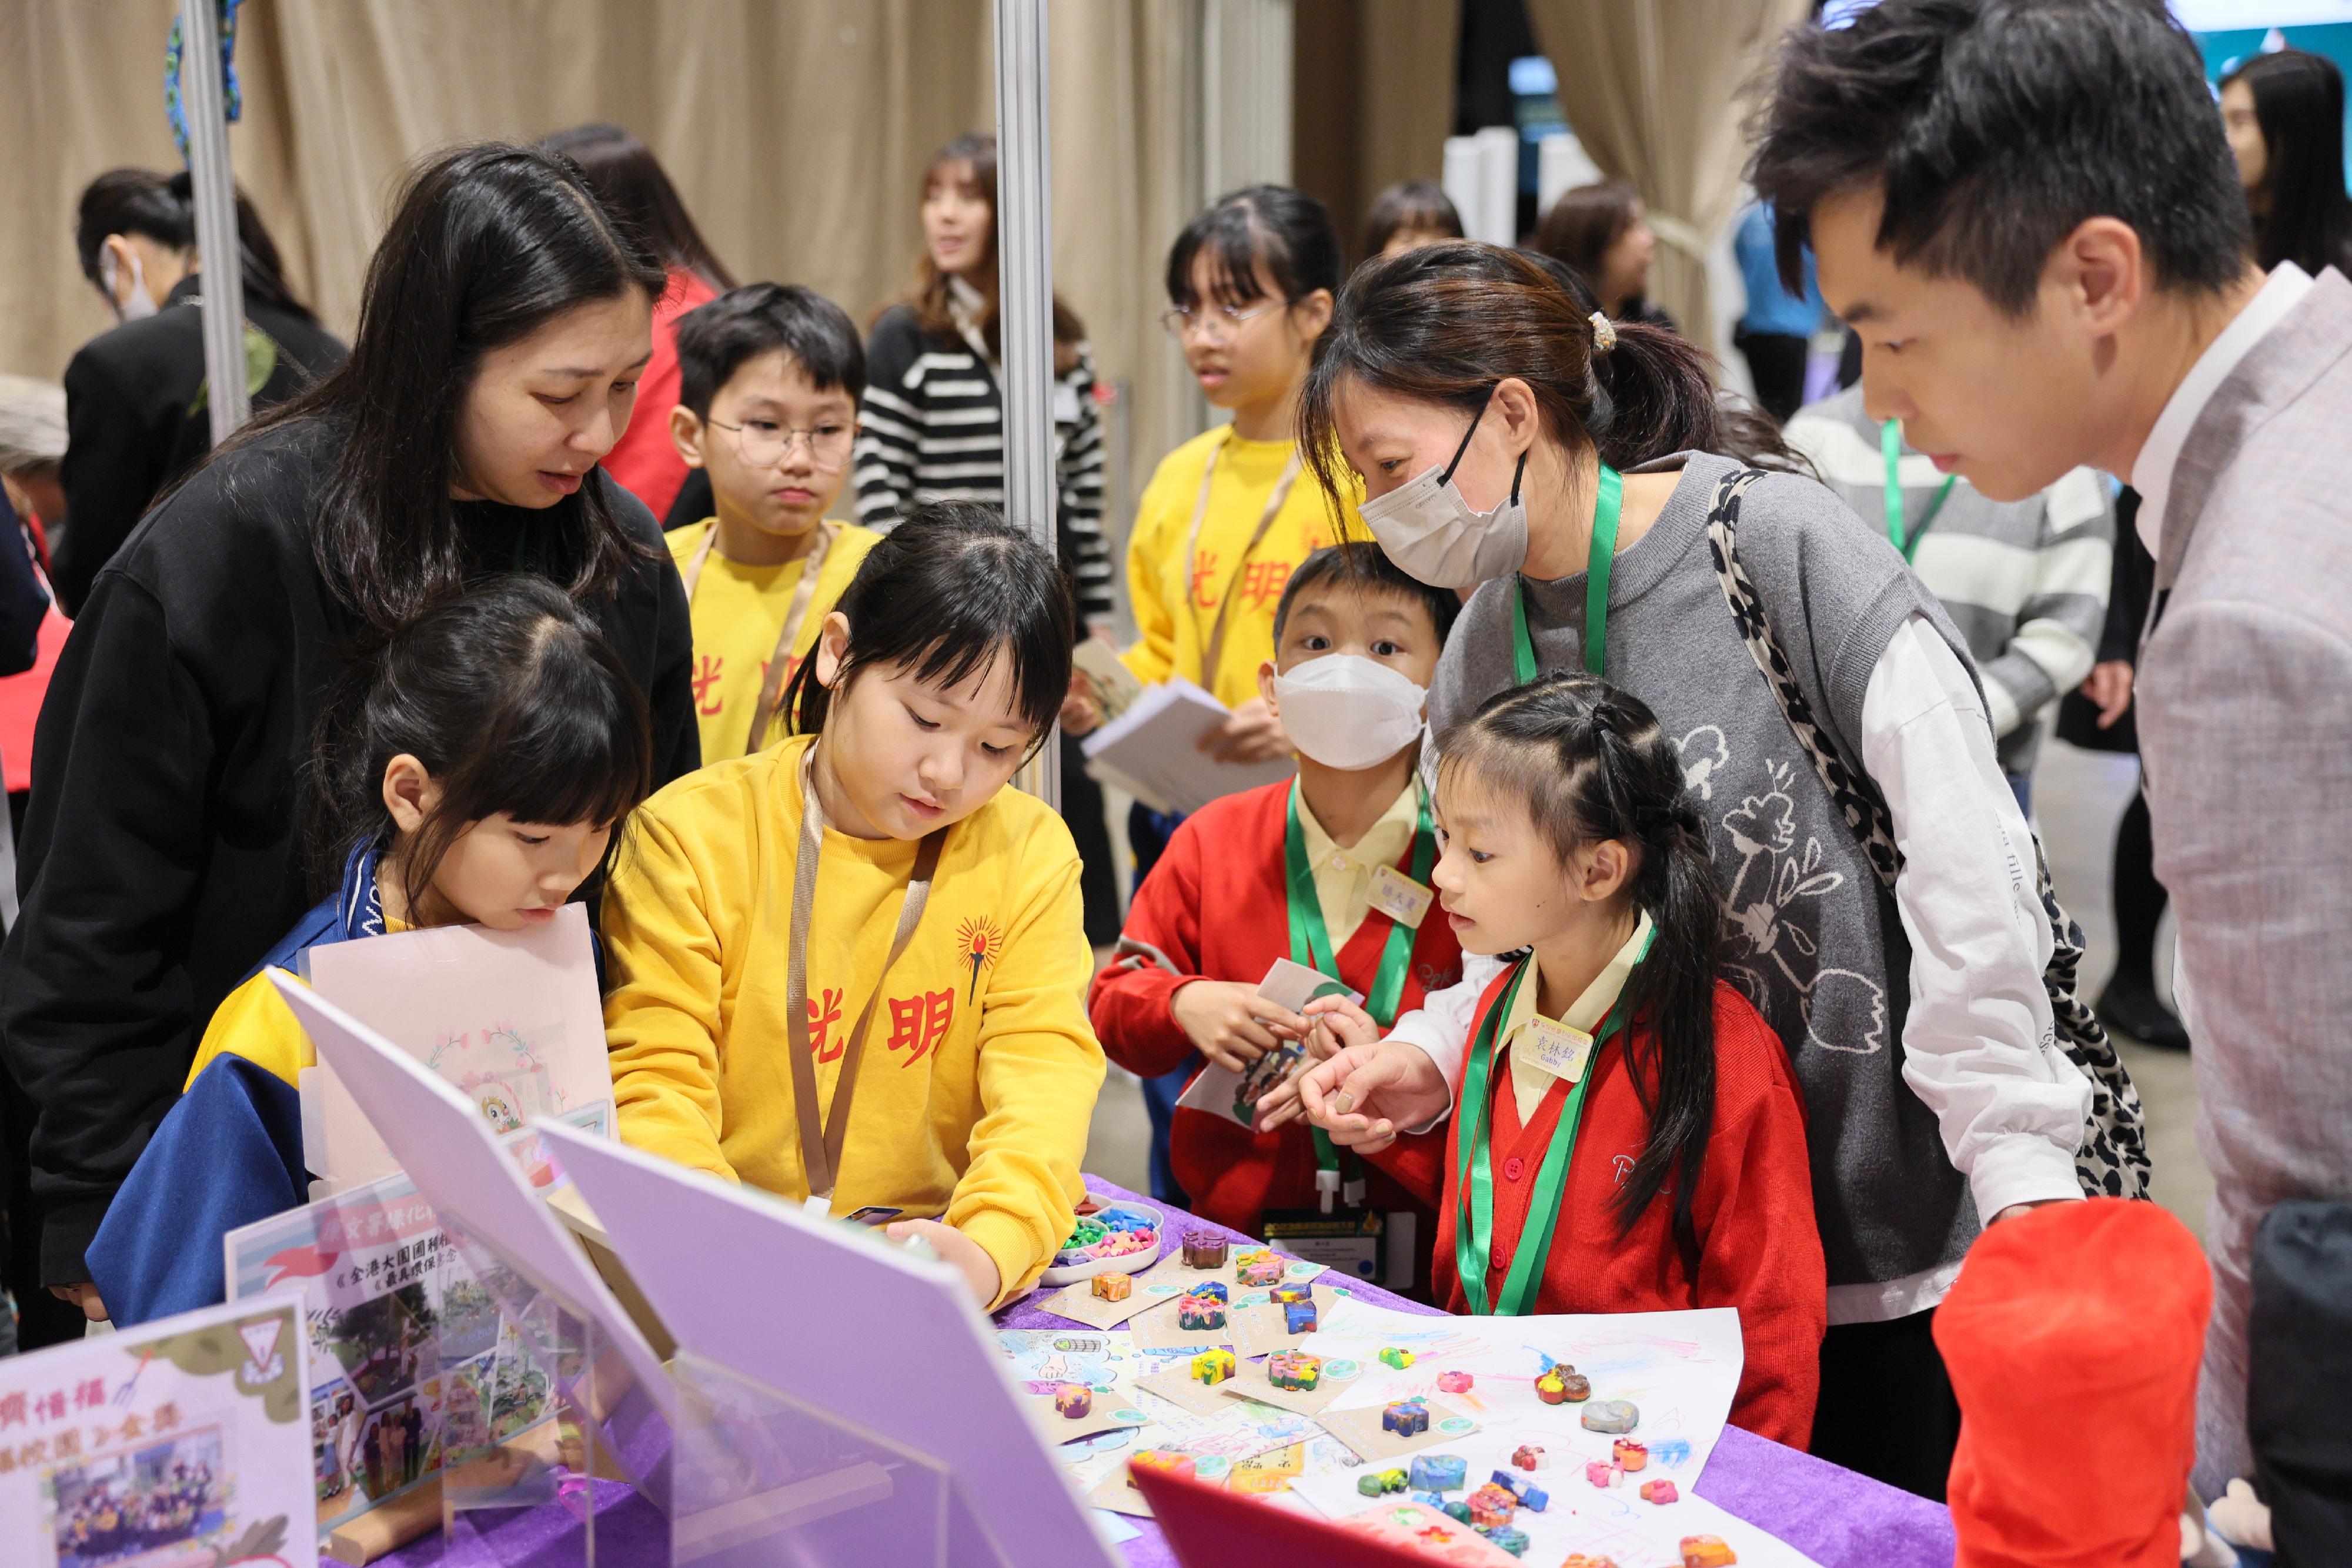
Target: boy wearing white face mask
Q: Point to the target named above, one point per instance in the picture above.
(1330, 870)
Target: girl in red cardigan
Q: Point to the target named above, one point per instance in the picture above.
(1293, 871)
(1628, 1138)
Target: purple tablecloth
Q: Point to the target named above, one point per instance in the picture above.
(1837, 1518)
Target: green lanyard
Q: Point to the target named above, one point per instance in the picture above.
(1601, 557)
(1474, 1226)
(1310, 938)
(1898, 533)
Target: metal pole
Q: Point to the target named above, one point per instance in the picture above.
(221, 258)
(1025, 296)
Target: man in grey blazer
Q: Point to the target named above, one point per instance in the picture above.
(2029, 212)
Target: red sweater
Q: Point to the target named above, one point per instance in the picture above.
(644, 460)
(1758, 1250)
(1226, 859)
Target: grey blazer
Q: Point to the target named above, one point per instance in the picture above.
(2245, 722)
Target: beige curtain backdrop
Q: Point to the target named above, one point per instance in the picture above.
(797, 130)
(1654, 90)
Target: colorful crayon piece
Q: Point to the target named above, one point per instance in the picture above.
(1294, 1369)
(1588, 1560)
(1199, 1309)
(1529, 1495)
(1602, 1474)
(1258, 1269)
(1660, 1491)
(1491, 1507)
(1283, 1295)
(1396, 1355)
(1610, 1417)
(1630, 1455)
(1704, 1551)
(1551, 1388)
(1406, 1418)
(1114, 1287)
(1298, 1317)
(1439, 1472)
(1455, 1381)
(1529, 1456)
(1204, 1250)
(1074, 1400)
(1213, 1366)
(1458, 1512)
(1514, 1541)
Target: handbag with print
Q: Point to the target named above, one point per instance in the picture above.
(2112, 1161)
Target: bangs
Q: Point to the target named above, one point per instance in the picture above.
(575, 753)
(1230, 237)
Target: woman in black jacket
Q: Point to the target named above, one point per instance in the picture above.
(504, 324)
(137, 410)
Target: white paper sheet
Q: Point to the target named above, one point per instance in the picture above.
(1152, 751)
(1222, 1091)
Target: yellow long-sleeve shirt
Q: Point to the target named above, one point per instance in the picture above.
(1175, 613)
(739, 613)
(980, 1070)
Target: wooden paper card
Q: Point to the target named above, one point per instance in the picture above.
(1078, 1302)
(1111, 1411)
(1156, 1329)
(1262, 1329)
(1176, 1385)
(1361, 1430)
(1249, 1382)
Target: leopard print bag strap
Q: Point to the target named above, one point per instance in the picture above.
(2111, 1160)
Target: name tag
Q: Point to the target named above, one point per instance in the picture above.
(1398, 897)
(1553, 1047)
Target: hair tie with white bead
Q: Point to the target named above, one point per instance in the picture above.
(1604, 334)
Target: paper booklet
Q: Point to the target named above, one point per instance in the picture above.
(1222, 1091)
(512, 1019)
(398, 1322)
(183, 1442)
(1151, 751)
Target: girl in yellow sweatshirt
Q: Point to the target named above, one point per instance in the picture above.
(852, 966)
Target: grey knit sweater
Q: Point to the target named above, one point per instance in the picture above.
(1814, 940)
(2025, 581)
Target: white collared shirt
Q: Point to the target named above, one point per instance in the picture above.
(2151, 473)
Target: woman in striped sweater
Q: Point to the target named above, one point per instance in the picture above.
(932, 429)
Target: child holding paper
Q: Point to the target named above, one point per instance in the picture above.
(472, 771)
(1329, 871)
(867, 911)
(1629, 1136)
(768, 379)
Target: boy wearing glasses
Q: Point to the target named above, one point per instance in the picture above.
(768, 379)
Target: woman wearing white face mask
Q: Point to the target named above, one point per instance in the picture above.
(136, 413)
(1510, 437)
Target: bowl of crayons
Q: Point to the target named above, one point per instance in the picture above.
(1121, 1236)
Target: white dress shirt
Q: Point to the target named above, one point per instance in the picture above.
(1979, 1045)
(2151, 473)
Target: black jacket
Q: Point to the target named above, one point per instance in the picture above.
(134, 421)
(162, 857)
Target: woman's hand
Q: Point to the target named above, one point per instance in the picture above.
(2110, 687)
(1364, 1095)
(1250, 734)
(1230, 1023)
(954, 1247)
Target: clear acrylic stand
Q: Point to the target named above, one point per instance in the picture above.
(762, 1478)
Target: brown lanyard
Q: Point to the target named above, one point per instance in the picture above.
(1213, 649)
(821, 1149)
(803, 592)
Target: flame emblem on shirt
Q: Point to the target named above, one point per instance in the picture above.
(982, 941)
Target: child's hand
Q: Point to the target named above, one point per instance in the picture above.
(1336, 1023)
(1364, 1095)
(1230, 1023)
(967, 1256)
(1082, 711)
(1250, 734)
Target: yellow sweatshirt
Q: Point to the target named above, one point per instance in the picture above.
(980, 1070)
(1176, 615)
(739, 613)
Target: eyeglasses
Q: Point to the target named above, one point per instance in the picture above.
(762, 443)
(1218, 323)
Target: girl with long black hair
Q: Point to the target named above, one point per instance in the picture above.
(1582, 474)
(504, 324)
(1630, 1136)
(2284, 114)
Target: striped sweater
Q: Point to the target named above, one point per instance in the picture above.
(934, 431)
(2025, 581)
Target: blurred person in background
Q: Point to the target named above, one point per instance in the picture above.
(1775, 334)
(2285, 116)
(1603, 231)
(629, 180)
(136, 411)
(1409, 214)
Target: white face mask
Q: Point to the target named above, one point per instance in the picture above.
(1348, 712)
(141, 304)
(1430, 531)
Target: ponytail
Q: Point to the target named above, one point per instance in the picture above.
(1592, 763)
(1445, 323)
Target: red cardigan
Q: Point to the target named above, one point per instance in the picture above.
(644, 460)
(1226, 859)
(1758, 1250)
